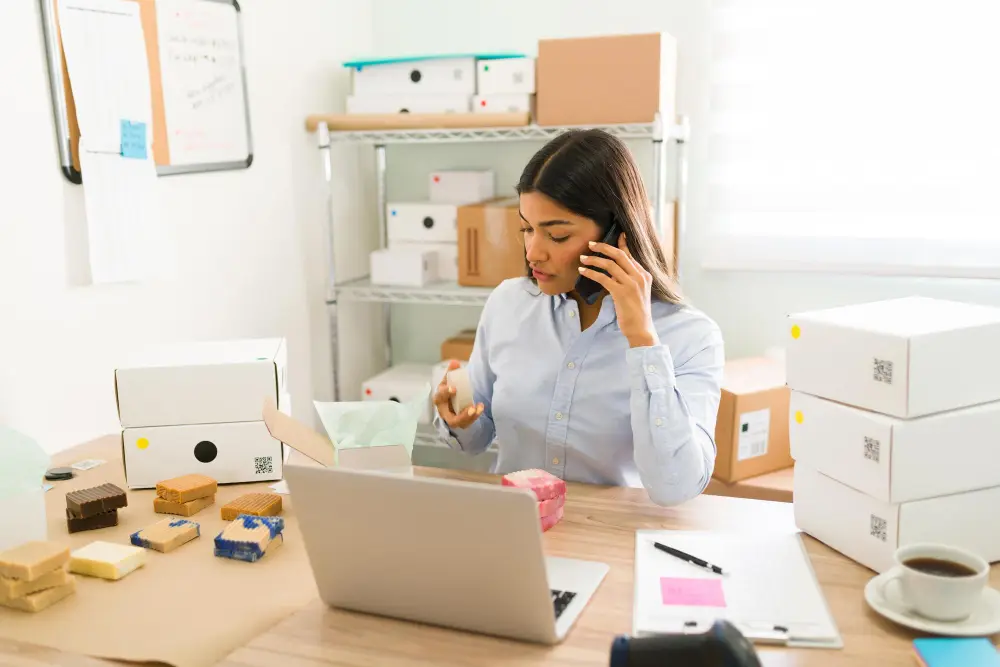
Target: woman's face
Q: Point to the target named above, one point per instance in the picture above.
(554, 239)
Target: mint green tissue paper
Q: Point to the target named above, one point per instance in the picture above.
(22, 463)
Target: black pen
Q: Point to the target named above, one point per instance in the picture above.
(688, 557)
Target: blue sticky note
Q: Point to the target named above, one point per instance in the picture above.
(133, 139)
(956, 652)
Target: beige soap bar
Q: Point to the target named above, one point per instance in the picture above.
(15, 588)
(31, 560)
(255, 504)
(106, 560)
(166, 535)
(190, 508)
(185, 488)
(42, 599)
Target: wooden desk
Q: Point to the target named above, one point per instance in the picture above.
(775, 485)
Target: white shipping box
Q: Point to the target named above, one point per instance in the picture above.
(505, 75)
(902, 357)
(409, 103)
(200, 382)
(405, 267)
(236, 452)
(504, 103)
(442, 75)
(422, 221)
(400, 383)
(869, 531)
(461, 187)
(897, 460)
(445, 257)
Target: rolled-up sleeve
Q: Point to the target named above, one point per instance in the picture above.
(674, 410)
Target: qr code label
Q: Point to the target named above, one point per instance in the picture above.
(872, 449)
(263, 465)
(882, 371)
(879, 529)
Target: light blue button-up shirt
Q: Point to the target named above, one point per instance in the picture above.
(586, 407)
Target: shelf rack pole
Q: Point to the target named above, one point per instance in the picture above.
(323, 140)
(383, 233)
(681, 135)
(659, 178)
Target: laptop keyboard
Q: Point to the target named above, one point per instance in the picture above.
(560, 600)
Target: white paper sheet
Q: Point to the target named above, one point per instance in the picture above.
(203, 95)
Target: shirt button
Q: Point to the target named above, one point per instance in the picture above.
(571, 365)
(559, 415)
(572, 313)
(651, 368)
(555, 461)
(659, 422)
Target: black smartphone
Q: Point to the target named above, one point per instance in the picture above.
(587, 288)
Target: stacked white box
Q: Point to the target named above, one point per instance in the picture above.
(198, 408)
(415, 85)
(893, 410)
(401, 383)
(505, 85)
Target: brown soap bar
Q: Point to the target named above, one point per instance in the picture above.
(31, 560)
(185, 488)
(12, 588)
(103, 520)
(256, 504)
(95, 500)
(42, 599)
(190, 508)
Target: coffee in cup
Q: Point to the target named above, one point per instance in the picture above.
(937, 581)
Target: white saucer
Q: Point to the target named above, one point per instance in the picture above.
(983, 622)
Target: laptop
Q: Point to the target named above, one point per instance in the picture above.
(443, 552)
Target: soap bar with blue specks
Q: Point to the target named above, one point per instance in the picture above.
(250, 537)
(166, 535)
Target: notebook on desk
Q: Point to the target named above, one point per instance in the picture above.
(768, 588)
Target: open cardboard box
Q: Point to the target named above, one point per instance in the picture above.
(320, 449)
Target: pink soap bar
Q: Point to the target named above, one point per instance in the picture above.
(552, 519)
(550, 507)
(545, 485)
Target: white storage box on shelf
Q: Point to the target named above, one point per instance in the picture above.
(416, 75)
(422, 221)
(461, 187)
(401, 266)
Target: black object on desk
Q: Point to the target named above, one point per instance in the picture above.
(723, 645)
(688, 557)
(55, 474)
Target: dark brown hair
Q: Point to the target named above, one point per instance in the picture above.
(593, 174)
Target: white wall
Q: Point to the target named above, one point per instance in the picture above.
(251, 243)
(750, 307)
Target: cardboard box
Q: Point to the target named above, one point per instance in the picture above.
(898, 460)
(490, 244)
(504, 103)
(608, 79)
(230, 453)
(409, 103)
(423, 222)
(409, 267)
(901, 357)
(461, 187)
(444, 262)
(506, 75)
(751, 431)
(432, 75)
(400, 383)
(869, 531)
(199, 382)
(459, 346)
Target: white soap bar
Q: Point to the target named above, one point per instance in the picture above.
(459, 379)
(106, 560)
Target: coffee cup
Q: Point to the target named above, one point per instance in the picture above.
(937, 581)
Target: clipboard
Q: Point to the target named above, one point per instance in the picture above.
(768, 588)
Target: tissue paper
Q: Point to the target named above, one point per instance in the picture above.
(22, 498)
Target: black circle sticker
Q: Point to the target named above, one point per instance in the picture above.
(415, 76)
(206, 451)
(428, 222)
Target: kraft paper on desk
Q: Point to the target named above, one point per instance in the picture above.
(22, 498)
(354, 424)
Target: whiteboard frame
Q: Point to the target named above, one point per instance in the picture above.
(61, 112)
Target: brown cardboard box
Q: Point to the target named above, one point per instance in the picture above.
(490, 246)
(608, 79)
(458, 346)
(751, 432)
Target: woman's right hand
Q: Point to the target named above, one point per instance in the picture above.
(442, 401)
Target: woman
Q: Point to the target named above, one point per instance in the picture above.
(623, 390)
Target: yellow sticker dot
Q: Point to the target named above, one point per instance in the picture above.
(798, 416)
(796, 331)
(142, 443)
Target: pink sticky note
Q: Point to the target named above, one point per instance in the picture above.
(692, 592)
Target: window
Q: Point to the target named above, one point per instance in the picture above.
(859, 135)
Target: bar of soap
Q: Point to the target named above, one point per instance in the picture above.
(552, 519)
(249, 537)
(85, 503)
(166, 535)
(43, 599)
(190, 508)
(549, 507)
(256, 504)
(544, 484)
(31, 560)
(103, 520)
(15, 588)
(186, 487)
(106, 560)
